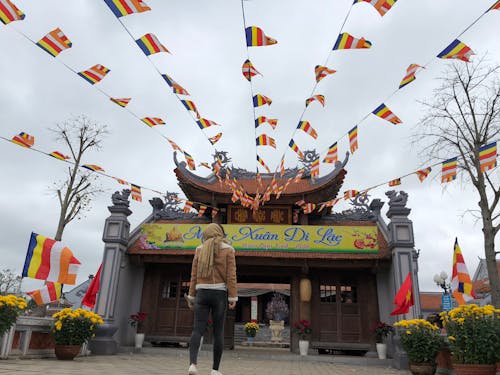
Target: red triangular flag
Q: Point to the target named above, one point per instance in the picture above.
(404, 297)
(90, 296)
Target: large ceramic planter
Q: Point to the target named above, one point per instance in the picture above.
(473, 369)
(67, 352)
(277, 327)
(381, 350)
(422, 368)
(303, 347)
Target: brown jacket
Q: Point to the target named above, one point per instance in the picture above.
(223, 273)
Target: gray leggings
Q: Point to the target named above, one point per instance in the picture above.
(215, 301)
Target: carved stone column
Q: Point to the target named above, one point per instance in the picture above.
(115, 237)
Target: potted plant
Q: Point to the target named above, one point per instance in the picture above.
(137, 321)
(71, 329)
(381, 330)
(303, 329)
(251, 329)
(10, 308)
(421, 340)
(276, 312)
(474, 338)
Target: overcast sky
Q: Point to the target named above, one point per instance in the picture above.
(207, 42)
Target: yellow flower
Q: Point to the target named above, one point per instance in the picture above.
(408, 332)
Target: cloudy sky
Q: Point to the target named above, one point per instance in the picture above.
(207, 42)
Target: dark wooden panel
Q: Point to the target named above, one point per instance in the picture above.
(264, 215)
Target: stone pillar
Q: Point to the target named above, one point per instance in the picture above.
(404, 260)
(115, 237)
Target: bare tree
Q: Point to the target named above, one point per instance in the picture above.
(80, 134)
(463, 116)
(9, 282)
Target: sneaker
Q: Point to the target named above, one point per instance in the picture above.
(193, 370)
(215, 372)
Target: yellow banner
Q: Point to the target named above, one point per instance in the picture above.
(312, 238)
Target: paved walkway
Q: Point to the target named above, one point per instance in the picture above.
(175, 361)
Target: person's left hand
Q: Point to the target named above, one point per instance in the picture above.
(232, 305)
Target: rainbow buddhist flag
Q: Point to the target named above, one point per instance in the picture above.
(50, 292)
(121, 181)
(332, 154)
(322, 71)
(213, 140)
(94, 74)
(315, 168)
(23, 139)
(382, 6)
(135, 192)
(347, 41)
(122, 8)
(50, 260)
(256, 37)
(449, 170)
(58, 155)
(168, 79)
(259, 100)
(395, 182)
(152, 121)
(273, 122)
(353, 139)
(54, 42)
(202, 210)
(150, 44)
(308, 208)
(488, 157)
(265, 140)
(307, 128)
(495, 6)
(384, 112)
(215, 211)
(9, 12)
(260, 120)
(295, 148)
(299, 175)
(423, 173)
(319, 98)
(282, 166)
(249, 70)
(348, 194)
(179, 90)
(410, 74)
(187, 206)
(122, 102)
(203, 123)
(461, 284)
(190, 161)
(93, 167)
(456, 50)
(190, 106)
(174, 145)
(261, 162)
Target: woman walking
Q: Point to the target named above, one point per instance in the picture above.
(213, 283)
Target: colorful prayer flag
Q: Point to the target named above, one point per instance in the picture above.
(384, 112)
(308, 208)
(273, 122)
(213, 140)
(48, 293)
(50, 260)
(353, 139)
(203, 123)
(332, 154)
(190, 106)
(449, 170)
(90, 295)
(94, 74)
(404, 297)
(24, 140)
(423, 173)
(214, 212)
(259, 100)
(382, 6)
(122, 8)
(93, 167)
(259, 178)
(152, 121)
(54, 42)
(299, 175)
(260, 120)
(174, 145)
(461, 284)
(456, 50)
(187, 206)
(395, 182)
(307, 128)
(150, 44)
(202, 210)
(249, 70)
(347, 41)
(205, 164)
(121, 181)
(179, 90)
(319, 98)
(410, 74)
(322, 71)
(265, 140)
(295, 148)
(495, 6)
(488, 157)
(348, 194)
(315, 168)
(261, 162)
(282, 166)
(168, 79)
(9, 12)
(256, 37)
(190, 161)
(58, 155)
(122, 102)
(135, 192)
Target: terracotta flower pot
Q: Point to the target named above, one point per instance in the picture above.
(474, 369)
(422, 368)
(67, 352)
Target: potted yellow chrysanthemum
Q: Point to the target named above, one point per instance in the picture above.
(71, 329)
(10, 308)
